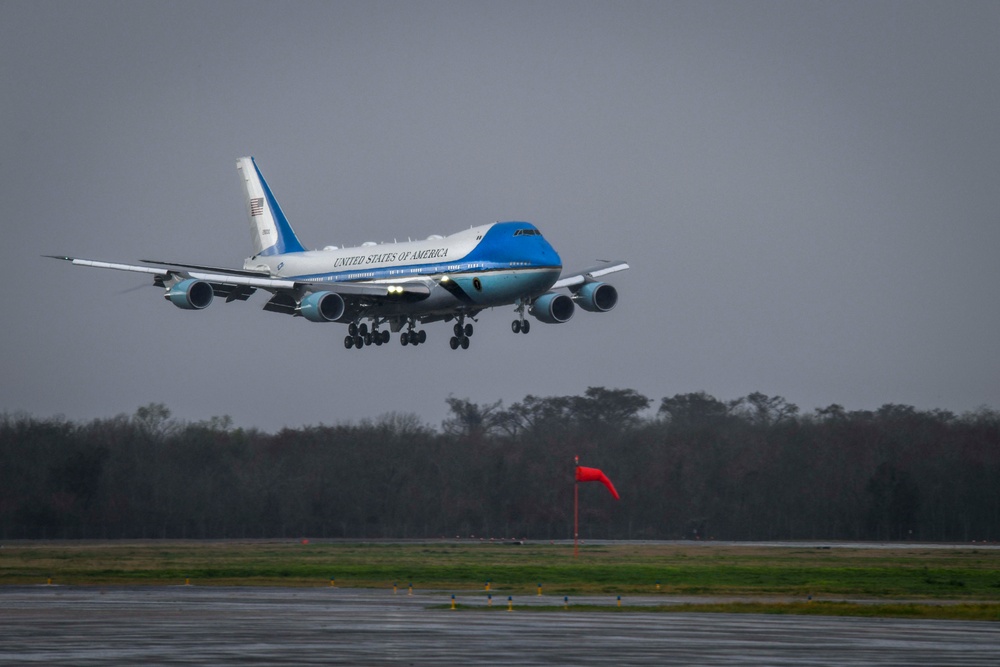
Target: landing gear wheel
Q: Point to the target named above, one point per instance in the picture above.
(465, 342)
(386, 336)
(458, 329)
(515, 326)
(377, 338)
(421, 336)
(404, 339)
(468, 330)
(525, 326)
(349, 342)
(363, 330)
(453, 342)
(352, 329)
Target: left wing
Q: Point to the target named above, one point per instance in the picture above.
(589, 275)
(587, 290)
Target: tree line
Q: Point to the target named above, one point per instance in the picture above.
(697, 467)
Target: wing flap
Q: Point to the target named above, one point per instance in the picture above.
(281, 302)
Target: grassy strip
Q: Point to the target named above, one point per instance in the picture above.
(622, 569)
(955, 612)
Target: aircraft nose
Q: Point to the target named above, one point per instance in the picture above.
(550, 256)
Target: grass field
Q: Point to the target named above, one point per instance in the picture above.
(910, 581)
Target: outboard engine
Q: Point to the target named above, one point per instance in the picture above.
(552, 308)
(190, 294)
(322, 307)
(596, 297)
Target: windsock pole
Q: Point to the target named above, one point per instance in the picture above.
(576, 511)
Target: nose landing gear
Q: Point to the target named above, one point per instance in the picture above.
(520, 325)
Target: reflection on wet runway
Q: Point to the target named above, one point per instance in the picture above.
(55, 625)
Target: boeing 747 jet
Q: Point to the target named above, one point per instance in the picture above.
(376, 289)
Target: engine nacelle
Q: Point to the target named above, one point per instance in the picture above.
(596, 297)
(552, 308)
(322, 307)
(190, 294)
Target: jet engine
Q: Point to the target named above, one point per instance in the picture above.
(596, 297)
(322, 307)
(552, 308)
(190, 294)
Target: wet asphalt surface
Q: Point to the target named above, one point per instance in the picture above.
(191, 625)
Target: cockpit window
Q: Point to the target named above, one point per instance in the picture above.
(527, 232)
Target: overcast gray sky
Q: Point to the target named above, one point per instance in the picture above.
(807, 193)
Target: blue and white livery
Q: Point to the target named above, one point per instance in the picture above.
(391, 287)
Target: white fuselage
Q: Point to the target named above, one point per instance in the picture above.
(484, 266)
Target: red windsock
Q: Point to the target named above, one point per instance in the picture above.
(595, 475)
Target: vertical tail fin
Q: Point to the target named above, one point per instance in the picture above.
(270, 232)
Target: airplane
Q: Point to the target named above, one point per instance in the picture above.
(397, 285)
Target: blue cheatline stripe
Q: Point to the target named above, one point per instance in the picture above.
(403, 273)
(287, 241)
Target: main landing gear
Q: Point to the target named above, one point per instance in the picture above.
(359, 336)
(411, 337)
(463, 332)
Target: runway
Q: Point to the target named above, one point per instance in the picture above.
(191, 625)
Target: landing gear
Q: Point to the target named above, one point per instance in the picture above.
(359, 336)
(411, 337)
(462, 332)
(520, 325)
(355, 335)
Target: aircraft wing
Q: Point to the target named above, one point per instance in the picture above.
(166, 273)
(589, 275)
(240, 284)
